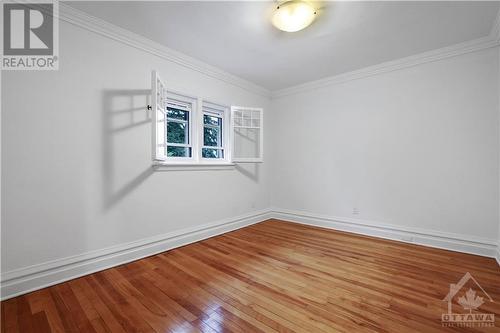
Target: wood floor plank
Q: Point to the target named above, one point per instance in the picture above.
(184, 281)
(9, 309)
(41, 323)
(226, 292)
(2, 319)
(111, 323)
(270, 277)
(120, 307)
(293, 293)
(349, 312)
(220, 295)
(64, 314)
(41, 300)
(75, 308)
(24, 316)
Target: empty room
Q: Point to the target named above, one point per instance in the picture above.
(250, 166)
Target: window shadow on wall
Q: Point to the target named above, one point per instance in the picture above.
(250, 170)
(126, 142)
(248, 145)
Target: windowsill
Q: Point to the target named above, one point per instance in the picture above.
(186, 166)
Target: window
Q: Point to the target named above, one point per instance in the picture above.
(159, 101)
(191, 131)
(247, 134)
(214, 136)
(179, 142)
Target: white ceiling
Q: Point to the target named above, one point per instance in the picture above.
(239, 38)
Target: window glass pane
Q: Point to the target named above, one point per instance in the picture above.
(177, 114)
(211, 136)
(212, 153)
(178, 151)
(246, 142)
(177, 132)
(211, 120)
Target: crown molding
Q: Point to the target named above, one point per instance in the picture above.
(474, 45)
(103, 28)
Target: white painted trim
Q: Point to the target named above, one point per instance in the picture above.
(203, 166)
(385, 67)
(101, 27)
(432, 238)
(497, 257)
(257, 159)
(27, 279)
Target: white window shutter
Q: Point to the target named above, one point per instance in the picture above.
(159, 101)
(247, 134)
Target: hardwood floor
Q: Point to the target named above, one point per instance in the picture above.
(271, 277)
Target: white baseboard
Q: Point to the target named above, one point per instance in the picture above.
(497, 257)
(24, 280)
(432, 238)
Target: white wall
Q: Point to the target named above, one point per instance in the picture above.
(416, 148)
(74, 182)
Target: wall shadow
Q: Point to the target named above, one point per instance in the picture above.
(250, 170)
(125, 140)
(248, 143)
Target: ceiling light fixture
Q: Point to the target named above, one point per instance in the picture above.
(293, 15)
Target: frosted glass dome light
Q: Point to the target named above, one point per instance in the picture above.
(293, 16)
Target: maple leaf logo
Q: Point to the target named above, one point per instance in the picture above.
(470, 301)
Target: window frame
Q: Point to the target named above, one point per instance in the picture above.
(260, 127)
(223, 112)
(184, 103)
(158, 116)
